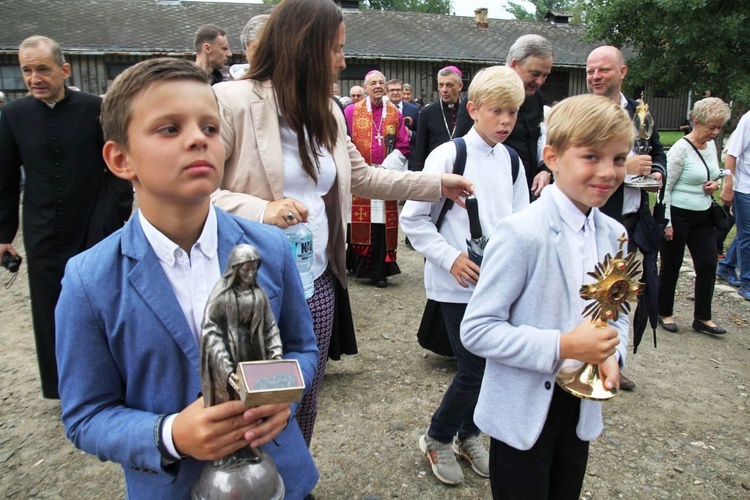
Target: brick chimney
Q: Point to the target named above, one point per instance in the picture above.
(480, 19)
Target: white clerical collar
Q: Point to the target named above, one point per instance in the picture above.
(369, 107)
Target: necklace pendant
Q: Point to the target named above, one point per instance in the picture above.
(379, 138)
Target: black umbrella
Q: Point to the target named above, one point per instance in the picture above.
(647, 236)
(476, 244)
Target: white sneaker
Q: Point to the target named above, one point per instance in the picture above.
(441, 458)
(473, 451)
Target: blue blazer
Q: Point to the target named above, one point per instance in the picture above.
(514, 319)
(126, 354)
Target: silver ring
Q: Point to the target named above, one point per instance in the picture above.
(289, 216)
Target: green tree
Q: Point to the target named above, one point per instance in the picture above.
(680, 45)
(541, 7)
(430, 6)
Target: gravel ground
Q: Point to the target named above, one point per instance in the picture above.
(683, 433)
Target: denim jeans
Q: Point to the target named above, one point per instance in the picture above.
(456, 412)
(738, 254)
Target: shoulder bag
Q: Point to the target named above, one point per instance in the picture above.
(720, 217)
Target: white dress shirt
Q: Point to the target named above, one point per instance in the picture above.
(300, 186)
(192, 277)
(631, 196)
(580, 235)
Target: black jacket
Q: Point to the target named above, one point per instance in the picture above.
(613, 207)
(60, 149)
(435, 120)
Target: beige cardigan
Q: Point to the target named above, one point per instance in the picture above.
(254, 168)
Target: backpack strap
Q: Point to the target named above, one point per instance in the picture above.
(458, 168)
(514, 162)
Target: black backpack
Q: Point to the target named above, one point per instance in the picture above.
(432, 334)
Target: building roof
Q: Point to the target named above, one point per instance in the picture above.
(159, 27)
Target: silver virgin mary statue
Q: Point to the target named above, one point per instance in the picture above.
(238, 325)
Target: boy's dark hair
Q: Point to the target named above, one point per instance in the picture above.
(206, 34)
(117, 105)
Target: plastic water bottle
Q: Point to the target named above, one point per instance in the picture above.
(301, 240)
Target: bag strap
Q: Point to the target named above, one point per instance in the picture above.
(514, 162)
(708, 174)
(460, 165)
(458, 168)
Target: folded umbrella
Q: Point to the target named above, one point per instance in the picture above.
(647, 236)
(476, 244)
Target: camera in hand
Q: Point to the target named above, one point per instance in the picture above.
(11, 263)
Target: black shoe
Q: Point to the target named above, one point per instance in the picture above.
(380, 283)
(700, 326)
(626, 384)
(670, 327)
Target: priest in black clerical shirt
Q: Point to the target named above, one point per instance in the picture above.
(70, 199)
(437, 121)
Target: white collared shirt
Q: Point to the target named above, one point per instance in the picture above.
(192, 277)
(580, 241)
(631, 196)
(300, 186)
(579, 232)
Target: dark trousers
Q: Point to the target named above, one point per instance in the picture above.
(456, 412)
(629, 221)
(553, 468)
(45, 284)
(695, 230)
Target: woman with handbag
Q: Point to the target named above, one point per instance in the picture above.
(692, 173)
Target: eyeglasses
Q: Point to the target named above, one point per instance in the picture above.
(395, 90)
(355, 95)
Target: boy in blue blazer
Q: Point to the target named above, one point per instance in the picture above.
(130, 312)
(525, 316)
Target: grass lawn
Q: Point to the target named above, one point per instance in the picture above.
(669, 137)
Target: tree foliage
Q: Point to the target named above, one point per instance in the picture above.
(518, 10)
(429, 6)
(680, 45)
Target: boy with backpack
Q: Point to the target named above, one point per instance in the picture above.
(495, 95)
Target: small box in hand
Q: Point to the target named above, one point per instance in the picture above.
(270, 382)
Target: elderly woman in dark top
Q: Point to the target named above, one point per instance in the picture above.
(692, 178)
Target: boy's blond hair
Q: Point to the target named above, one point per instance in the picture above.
(498, 86)
(588, 120)
(117, 105)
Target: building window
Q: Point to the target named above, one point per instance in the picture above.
(11, 78)
(114, 69)
(356, 71)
